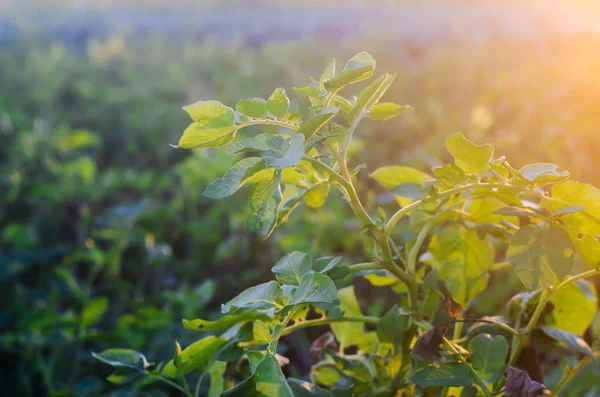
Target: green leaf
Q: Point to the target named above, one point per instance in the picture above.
(93, 311)
(264, 201)
(327, 263)
(125, 358)
(270, 380)
(253, 107)
(392, 176)
(316, 196)
(289, 156)
(278, 103)
(471, 158)
(359, 67)
(444, 374)
(540, 256)
(216, 371)
(488, 353)
(314, 124)
(262, 296)
(462, 261)
(213, 125)
(290, 269)
(225, 321)
(570, 339)
(348, 334)
(543, 173)
(327, 74)
(177, 357)
(195, 356)
(314, 288)
(261, 332)
(259, 143)
(234, 178)
(391, 326)
(449, 173)
(246, 388)
(387, 110)
(302, 388)
(369, 96)
(574, 307)
(583, 228)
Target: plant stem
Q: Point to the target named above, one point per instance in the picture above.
(359, 267)
(349, 188)
(544, 297)
(579, 276)
(170, 383)
(570, 374)
(325, 321)
(480, 383)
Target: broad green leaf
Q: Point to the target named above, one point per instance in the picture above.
(443, 374)
(327, 263)
(290, 269)
(488, 353)
(449, 173)
(270, 381)
(314, 124)
(234, 178)
(387, 110)
(391, 326)
(302, 388)
(358, 68)
(369, 96)
(264, 201)
(125, 358)
(393, 175)
(253, 107)
(261, 332)
(289, 156)
(225, 321)
(543, 173)
(462, 260)
(195, 356)
(255, 357)
(574, 307)
(570, 339)
(471, 158)
(583, 228)
(540, 256)
(216, 371)
(314, 288)
(262, 296)
(278, 103)
(316, 196)
(260, 143)
(348, 334)
(93, 311)
(213, 125)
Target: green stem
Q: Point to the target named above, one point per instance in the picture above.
(480, 383)
(579, 276)
(170, 383)
(347, 185)
(326, 321)
(570, 374)
(419, 203)
(522, 339)
(359, 267)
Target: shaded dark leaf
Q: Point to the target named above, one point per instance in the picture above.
(428, 344)
(519, 384)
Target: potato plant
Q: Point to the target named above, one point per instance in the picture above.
(475, 218)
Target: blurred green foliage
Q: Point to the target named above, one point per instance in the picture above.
(105, 237)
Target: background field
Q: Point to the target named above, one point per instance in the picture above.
(105, 237)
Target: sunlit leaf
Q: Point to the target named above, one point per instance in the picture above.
(471, 158)
(213, 125)
(278, 103)
(252, 107)
(262, 296)
(359, 67)
(195, 356)
(234, 178)
(290, 269)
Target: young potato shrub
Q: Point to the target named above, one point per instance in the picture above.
(470, 219)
